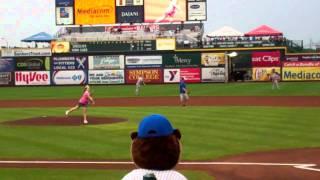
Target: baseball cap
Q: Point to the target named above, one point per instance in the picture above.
(154, 125)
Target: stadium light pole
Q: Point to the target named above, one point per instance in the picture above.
(226, 59)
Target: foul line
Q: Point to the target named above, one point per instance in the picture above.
(308, 167)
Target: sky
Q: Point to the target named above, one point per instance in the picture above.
(297, 19)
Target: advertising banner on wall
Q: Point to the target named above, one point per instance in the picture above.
(106, 77)
(94, 12)
(299, 57)
(60, 47)
(6, 78)
(69, 63)
(197, 11)
(32, 63)
(143, 62)
(32, 78)
(213, 74)
(190, 75)
(150, 75)
(263, 73)
(64, 3)
(130, 14)
(64, 15)
(182, 60)
(108, 46)
(129, 2)
(301, 73)
(266, 59)
(165, 11)
(7, 64)
(106, 62)
(302, 64)
(78, 77)
(25, 52)
(212, 59)
(166, 44)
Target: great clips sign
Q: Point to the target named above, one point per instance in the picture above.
(266, 59)
(32, 78)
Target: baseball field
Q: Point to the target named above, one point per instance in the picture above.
(229, 131)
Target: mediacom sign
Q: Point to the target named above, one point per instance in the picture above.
(69, 77)
(95, 12)
(191, 75)
(301, 73)
(106, 77)
(164, 11)
(266, 59)
(32, 78)
(150, 75)
(262, 74)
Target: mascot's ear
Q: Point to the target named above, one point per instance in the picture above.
(134, 135)
(177, 133)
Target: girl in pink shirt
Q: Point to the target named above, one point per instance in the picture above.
(83, 102)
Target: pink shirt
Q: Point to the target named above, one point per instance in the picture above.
(84, 98)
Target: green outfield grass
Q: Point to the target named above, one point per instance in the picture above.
(70, 174)
(207, 132)
(215, 89)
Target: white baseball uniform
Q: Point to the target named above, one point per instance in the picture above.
(160, 175)
(140, 81)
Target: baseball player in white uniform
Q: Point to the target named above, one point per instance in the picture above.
(159, 175)
(275, 78)
(140, 81)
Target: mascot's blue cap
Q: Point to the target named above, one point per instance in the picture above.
(154, 126)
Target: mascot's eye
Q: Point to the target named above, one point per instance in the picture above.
(152, 132)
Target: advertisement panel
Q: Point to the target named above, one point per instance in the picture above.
(302, 64)
(32, 78)
(69, 63)
(130, 14)
(301, 74)
(165, 44)
(197, 11)
(143, 61)
(32, 63)
(6, 78)
(64, 16)
(69, 77)
(60, 47)
(94, 12)
(64, 3)
(213, 75)
(24, 52)
(106, 77)
(165, 11)
(212, 59)
(300, 57)
(106, 62)
(7, 64)
(115, 46)
(150, 75)
(129, 2)
(263, 74)
(182, 60)
(191, 75)
(266, 59)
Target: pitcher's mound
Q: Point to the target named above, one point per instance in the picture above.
(64, 121)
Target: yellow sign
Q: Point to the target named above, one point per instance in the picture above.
(60, 47)
(166, 44)
(89, 12)
(263, 74)
(165, 11)
(301, 73)
(212, 59)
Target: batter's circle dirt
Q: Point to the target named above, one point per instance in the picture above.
(63, 121)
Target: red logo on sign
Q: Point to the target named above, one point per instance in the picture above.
(266, 59)
(31, 77)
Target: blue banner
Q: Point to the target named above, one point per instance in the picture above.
(70, 63)
(64, 3)
(7, 65)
